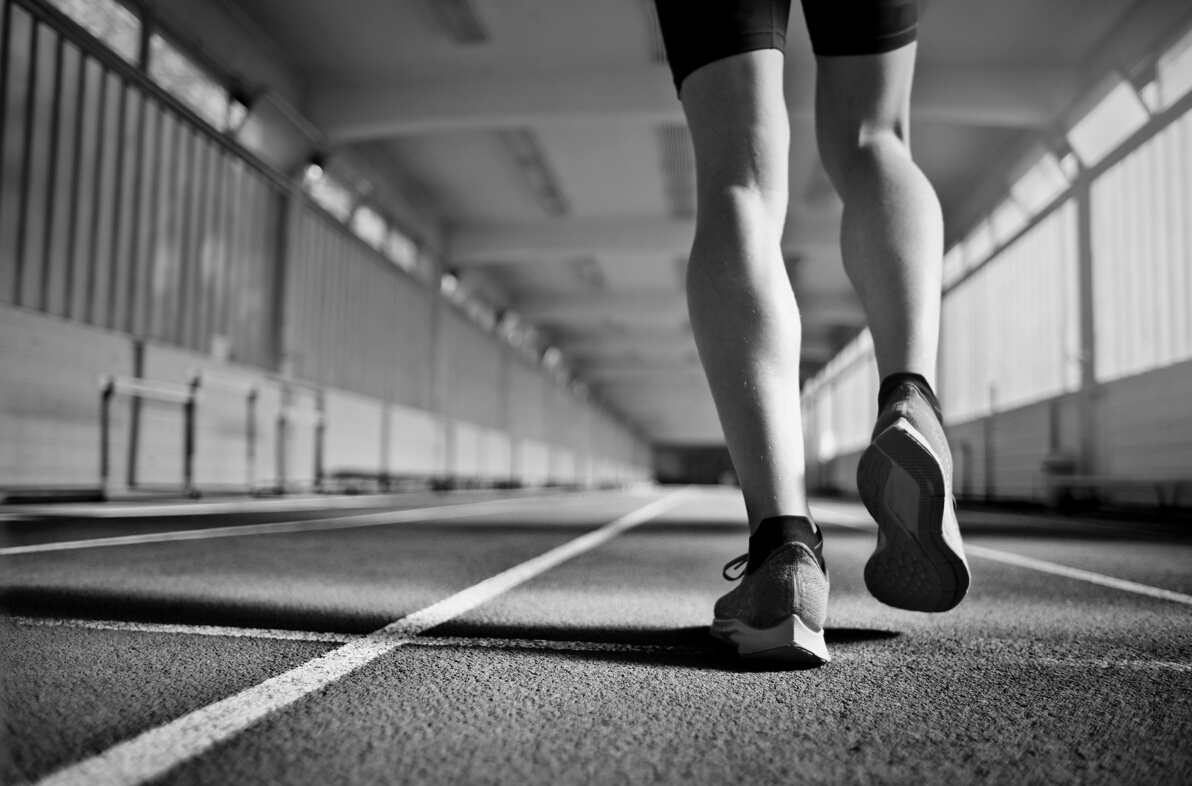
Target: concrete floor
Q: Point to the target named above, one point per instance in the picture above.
(190, 653)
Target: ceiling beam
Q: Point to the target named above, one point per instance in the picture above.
(603, 304)
(607, 372)
(664, 307)
(1001, 96)
(678, 343)
(566, 238)
(579, 343)
(563, 239)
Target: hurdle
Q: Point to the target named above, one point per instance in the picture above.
(291, 415)
(135, 387)
(207, 380)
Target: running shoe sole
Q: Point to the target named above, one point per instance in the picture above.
(790, 641)
(916, 566)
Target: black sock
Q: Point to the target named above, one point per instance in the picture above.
(777, 531)
(891, 383)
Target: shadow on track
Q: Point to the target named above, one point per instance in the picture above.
(683, 647)
(690, 647)
(124, 606)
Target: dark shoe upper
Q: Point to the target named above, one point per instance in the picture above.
(785, 575)
(908, 402)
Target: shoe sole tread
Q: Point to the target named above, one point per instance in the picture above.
(902, 485)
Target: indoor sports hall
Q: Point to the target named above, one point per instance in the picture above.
(353, 428)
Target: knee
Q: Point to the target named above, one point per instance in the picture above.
(758, 206)
(853, 151)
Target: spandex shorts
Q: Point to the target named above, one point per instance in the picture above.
(697, 32)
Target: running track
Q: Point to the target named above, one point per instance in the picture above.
(562, 638)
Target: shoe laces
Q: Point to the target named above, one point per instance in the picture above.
(739, 562)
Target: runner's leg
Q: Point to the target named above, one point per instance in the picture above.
(742, 307)
(892, 229)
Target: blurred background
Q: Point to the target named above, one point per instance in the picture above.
(294, 245)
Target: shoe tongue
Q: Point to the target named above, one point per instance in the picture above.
(777, 531)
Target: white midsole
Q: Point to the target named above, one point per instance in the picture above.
(790, 632)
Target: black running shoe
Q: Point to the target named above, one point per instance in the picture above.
(778, 611)
(905, 481)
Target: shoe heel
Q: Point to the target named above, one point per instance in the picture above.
(789, 641)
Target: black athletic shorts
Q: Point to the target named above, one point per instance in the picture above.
(697, 32)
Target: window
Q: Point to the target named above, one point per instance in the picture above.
(1041, 185)
(1142, 286)
(978, 245)
(480, 314)
(369, 226)
(1010, 333)
(401, 250)
(1006, 221)
(1108, 124)
(953, 265)
(176, 72)
(109, 21)
(1174, 72)
(330, 195)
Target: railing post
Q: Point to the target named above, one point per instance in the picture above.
(107, 390)
(320, 433)
(990, 452)
(1082, 193)
(251, 435)
(188, 442)
(282, 437)
(134, 406)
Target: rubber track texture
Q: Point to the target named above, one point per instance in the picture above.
(902, 484)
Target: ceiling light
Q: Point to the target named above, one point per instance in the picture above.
(314, 168)
(523, 146)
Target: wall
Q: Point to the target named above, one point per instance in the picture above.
(1065, 332)
(138, 241)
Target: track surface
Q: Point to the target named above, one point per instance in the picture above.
(598, 669)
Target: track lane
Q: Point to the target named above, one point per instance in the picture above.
(69, 693)
(1032, 675)
(614, 644)
(347, 580)
(157, 750)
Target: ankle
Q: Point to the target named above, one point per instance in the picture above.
(776, 531)
(892, 382)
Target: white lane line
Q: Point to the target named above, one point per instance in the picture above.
(552, 645)
(287, 504)
(277, 634)
(281, 527)
(1076, 573)
(841, 517)
(153, 753)
(220, 631)
(844, 519)
(413, 624)
(1132, 664)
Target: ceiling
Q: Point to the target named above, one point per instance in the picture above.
(552, 150)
